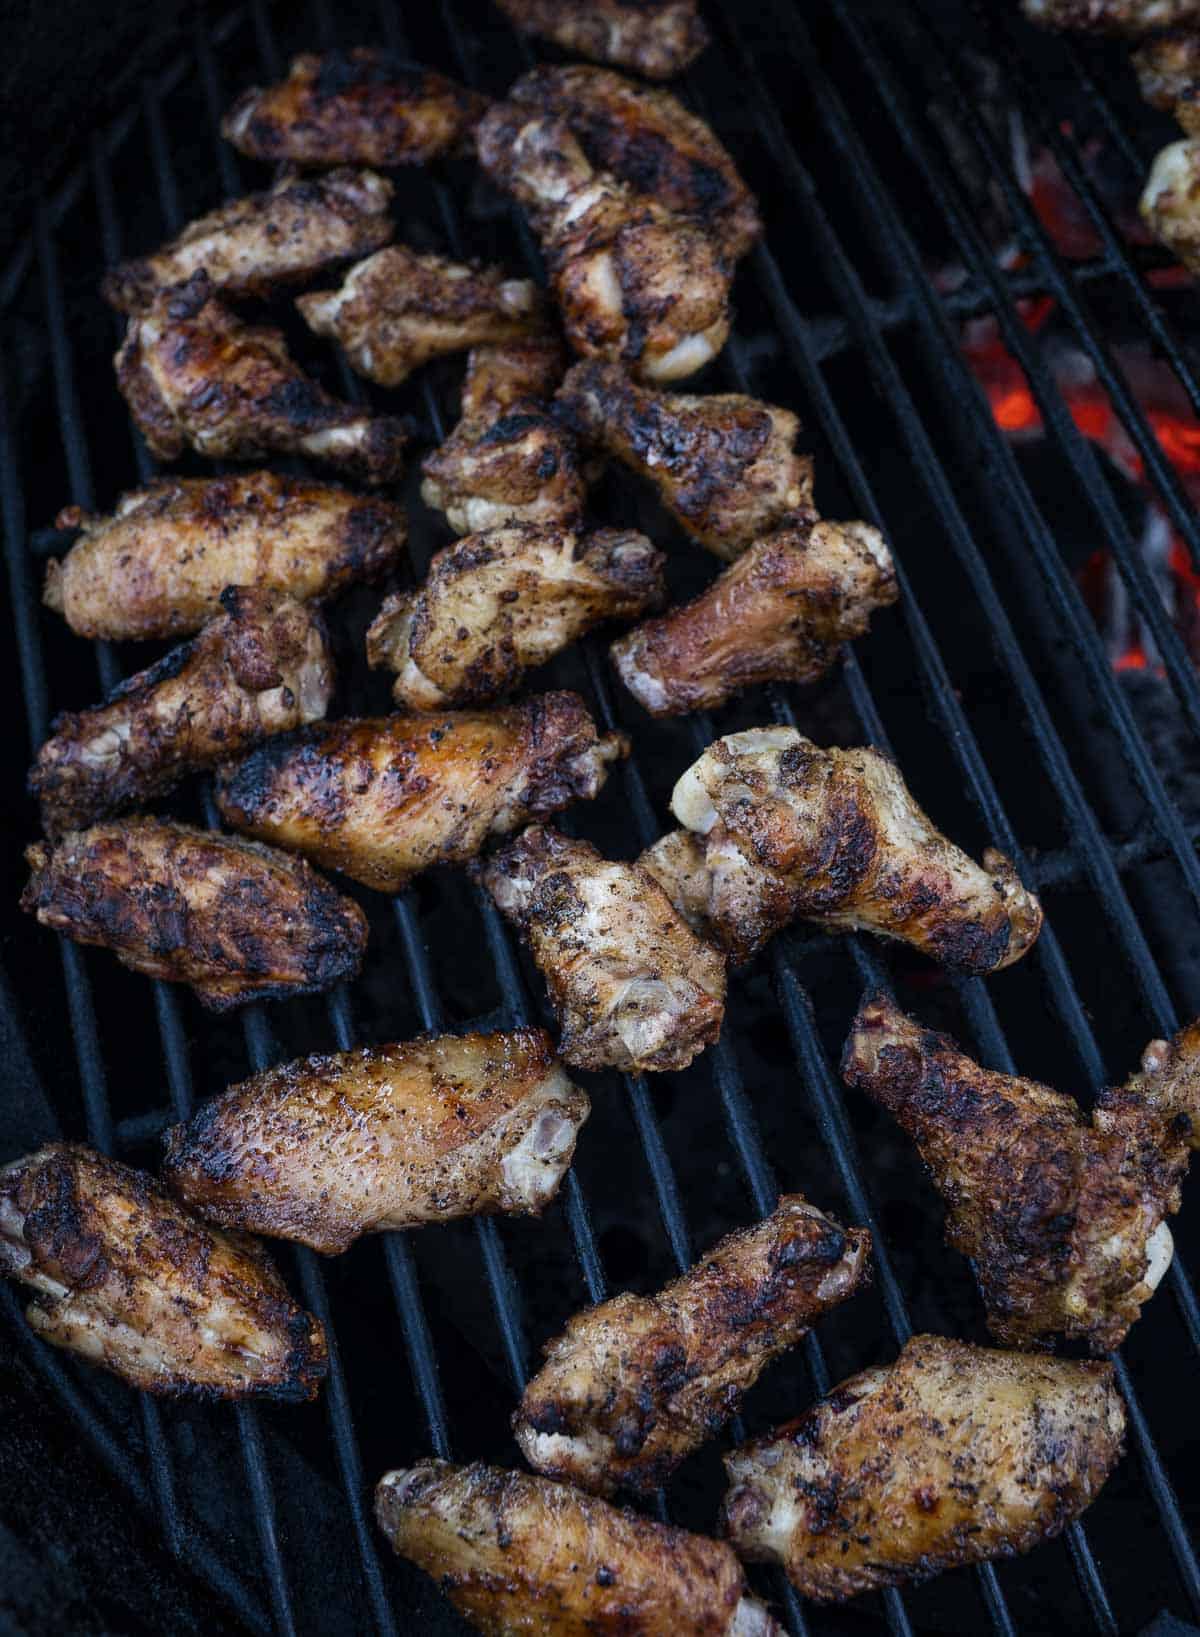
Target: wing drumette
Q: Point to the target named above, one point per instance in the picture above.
(659, 38)
(1111, 16)
(1168, 71)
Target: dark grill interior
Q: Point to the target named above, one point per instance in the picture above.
(869, 135)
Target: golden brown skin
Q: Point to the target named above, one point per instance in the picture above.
(1111, 16)
(299, 228)
(262, 667)
(646, 137)
(234, 919)
(634, 1385)
(723, 464)
(785, 829)
(953, 1454)
(195, 376)
(659, 38)
(398, 309)
(128, 1280)
(631, 984)
(1170, 204)
(521, 1557)
(384, 798)
(778, 614)
(359, 107)
(1168, 71)
(328, 1148)
(1064, 1218)
(159, 565)
(633, 280)
(501, 602)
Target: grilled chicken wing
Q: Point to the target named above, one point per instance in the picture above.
(384, 799)
(1168, 71)
(498, 603)
(519, 1555)
(1111, 16)
(777, 614)
(1063, 1218)
(235, 920)
(509, 460)
(158, 566)
(632, 986)
(953, 1454)
(328, 1148)
(784, 829)
(301, 227)
(261, 668)
(723, 465)
(647, 138)
(359, 107)
(633, 280)
(659, 38)
(131, 1282)
(398, 309)
(195, 376)
(632, 1386)
(1170, 204)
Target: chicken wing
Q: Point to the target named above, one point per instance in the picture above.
(777, 614)
(359, 107)
(299, 228)
(498, 603)
(519, 1555)
(158, 566)
(386, 798)
(832, 836)
(723, 465)
(195, 376)
(235, 920)
(1170, 204)
(1168, 71)
(1111, 16)
(126, 1279)
(261, 668)
(397, 310)
(659, 38)
(632, 1386)
(646, 137)
(632, 985)
(328, 1148)
(953, 1454)
(1064, 1219)
(634, 281)
(509, 460)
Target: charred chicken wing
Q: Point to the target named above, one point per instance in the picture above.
(1171, 201)
(1064, 1218)
(195, 376)
(1111, 16)
(632, 1386)
(236, 920)
(1168, 70)
(632, 985)
(521, 1557)
(659, 38)
(126, 1279)
(261, 668)
(953, 1454)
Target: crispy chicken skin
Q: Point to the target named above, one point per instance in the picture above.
(723, 464)
(398, 309)
(646, 137)
(159, 565)
(634, 281)
(299, 228)
(520, 1555)
(501, 602)
(262, 667)
(790, 830)
(777, 614)
(1168, 71)
(195, 376)
(1170, 204)
(658, 38)
(234, 919)
(128, 1280)
(328, 1148)
(1063, 1218)
(631, 984)
(632, 1386)
(383, 799)
(953, 1454)
(1111, 16)
(359, 107)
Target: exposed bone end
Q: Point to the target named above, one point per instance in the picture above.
(534, 1169)
(1022, 907)
(751, 1619)
(686, 356)
(1173, 177)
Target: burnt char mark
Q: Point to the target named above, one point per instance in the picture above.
(302, 404)
(970, 946)
(171, 665)
(513, 426)
(374, 533)
(245, 788)
(342, 71)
